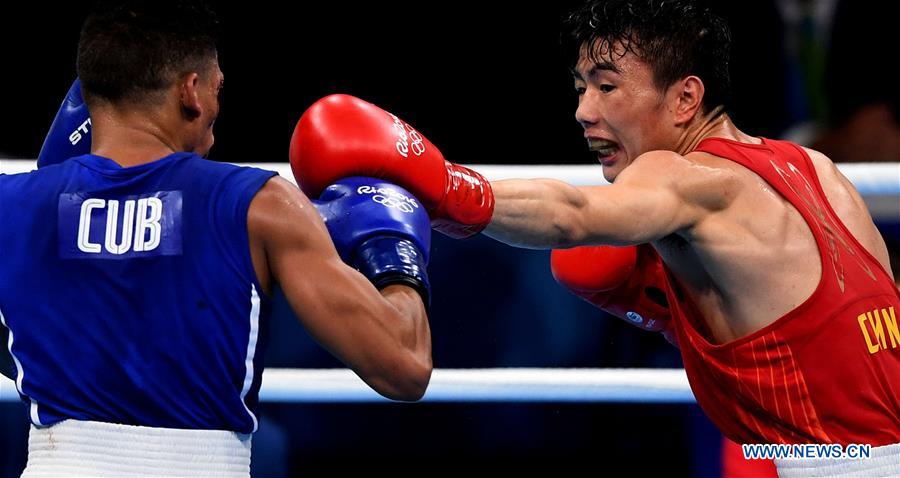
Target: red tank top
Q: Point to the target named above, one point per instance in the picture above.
(827, 371)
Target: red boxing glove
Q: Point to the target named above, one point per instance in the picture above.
(340, 136)
(628, 282)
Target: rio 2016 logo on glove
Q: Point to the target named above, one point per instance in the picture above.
(390, 198)
(406, 132)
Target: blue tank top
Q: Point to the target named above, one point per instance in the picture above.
(130, 295)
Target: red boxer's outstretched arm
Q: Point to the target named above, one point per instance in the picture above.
(659, 194)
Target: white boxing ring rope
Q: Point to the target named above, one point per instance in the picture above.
(873, 180)
(879, 184)
(474, 385)
(869, 178)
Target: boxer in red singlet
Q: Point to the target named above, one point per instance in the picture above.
(758, 257)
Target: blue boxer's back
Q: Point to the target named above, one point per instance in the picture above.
(130, 294)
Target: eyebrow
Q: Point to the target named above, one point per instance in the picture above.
(601, 66)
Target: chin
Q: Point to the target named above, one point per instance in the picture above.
(610, 173)
(203, 151)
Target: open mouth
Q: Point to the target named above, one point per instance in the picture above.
(604, 148)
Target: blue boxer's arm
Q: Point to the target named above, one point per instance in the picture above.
(384, 337)
(70, 133)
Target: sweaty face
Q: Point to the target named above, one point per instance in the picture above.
(209, 90)
(622, 112)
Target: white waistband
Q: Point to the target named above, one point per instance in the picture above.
(80, 448)
(884, 461)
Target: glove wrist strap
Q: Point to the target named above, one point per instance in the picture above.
(388, 260)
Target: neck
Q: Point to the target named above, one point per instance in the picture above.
(131, 138)
(715, 124)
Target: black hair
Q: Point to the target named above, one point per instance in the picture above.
(132, 50)
(676, 38)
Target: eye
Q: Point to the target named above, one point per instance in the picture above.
(580, 90)
(607, 88)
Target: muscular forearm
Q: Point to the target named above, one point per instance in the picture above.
(411, 311)
(535, 213)
(412, 333)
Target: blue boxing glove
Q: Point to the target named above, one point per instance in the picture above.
(380, 230)
(70, 133)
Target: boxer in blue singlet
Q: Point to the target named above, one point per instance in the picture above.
(135, 278)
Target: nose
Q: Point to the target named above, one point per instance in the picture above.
(587, 113)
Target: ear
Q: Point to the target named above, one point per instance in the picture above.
(189, 94)
(688, 98)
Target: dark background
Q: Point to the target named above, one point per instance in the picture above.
(484, 80)
(486, 83)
